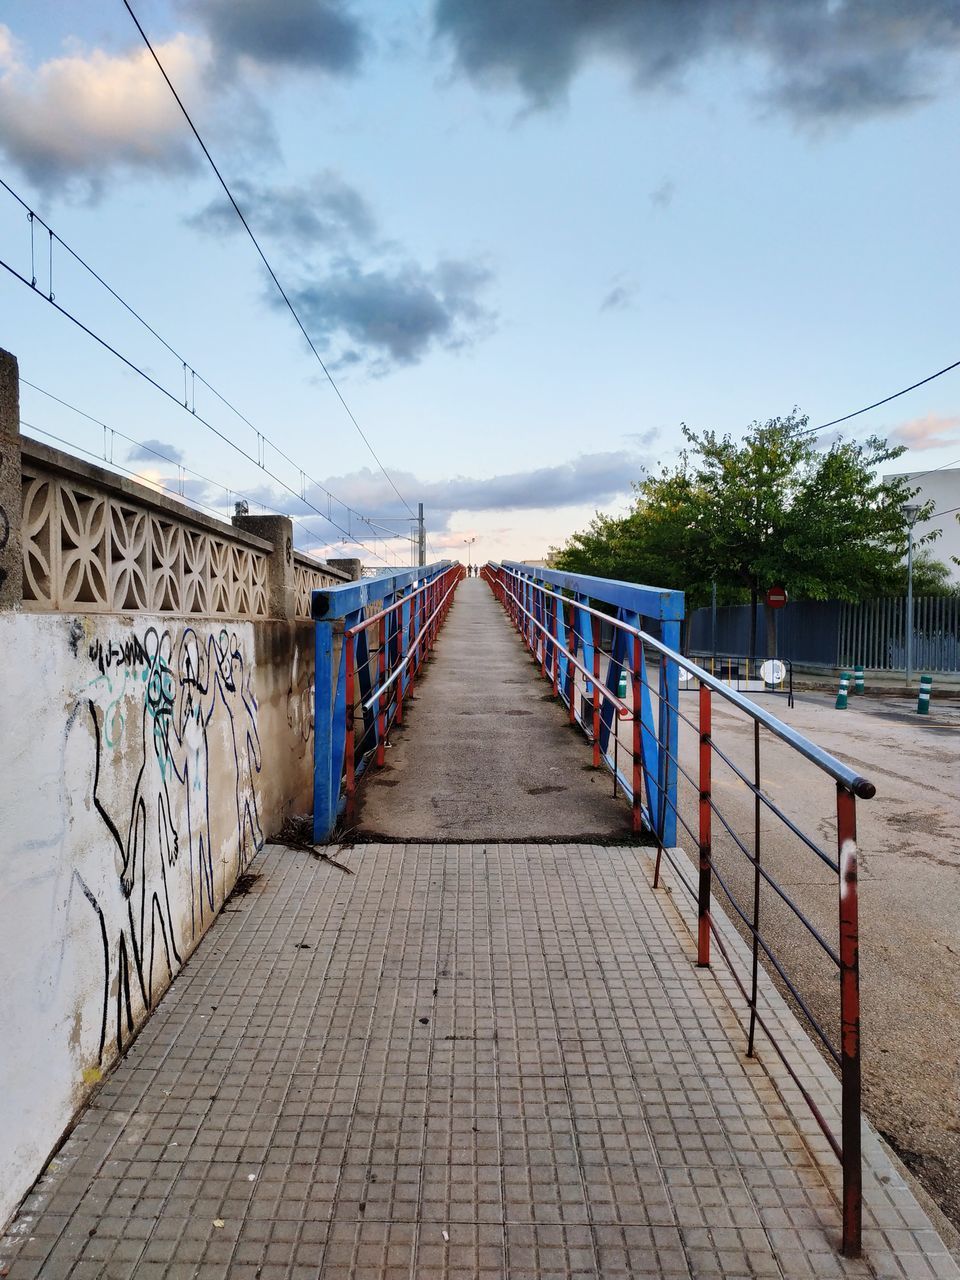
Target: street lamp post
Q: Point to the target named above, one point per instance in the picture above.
(468, 542)
(910, 512)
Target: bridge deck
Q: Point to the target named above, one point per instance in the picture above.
(484, 753)
(473, 1060)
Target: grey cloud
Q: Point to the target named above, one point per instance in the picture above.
(148, 451)
(308, 34)
(620, 297)
(323, 212)
(396, 314)
(822, 59)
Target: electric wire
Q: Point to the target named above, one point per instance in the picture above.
(35, 217)
(135, 368)
(165, 457)
(263, 256)
(877, 403)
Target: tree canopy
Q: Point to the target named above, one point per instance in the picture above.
(770, 509)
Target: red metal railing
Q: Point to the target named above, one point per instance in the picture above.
(554, 628)
(383, 655)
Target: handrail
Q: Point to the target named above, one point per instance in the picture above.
(830, 765)
(414, 644)
(549, 621)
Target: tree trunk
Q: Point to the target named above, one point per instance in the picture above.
(754, 597)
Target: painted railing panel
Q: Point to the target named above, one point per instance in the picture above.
(372, 637)
(553, 608)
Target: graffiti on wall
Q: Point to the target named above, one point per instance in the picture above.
(4, 532)
(176, 754)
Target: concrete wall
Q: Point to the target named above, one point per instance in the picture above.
(145, 759)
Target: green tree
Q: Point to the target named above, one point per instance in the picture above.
(770, 509)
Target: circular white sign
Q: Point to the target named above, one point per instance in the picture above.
(773, 671)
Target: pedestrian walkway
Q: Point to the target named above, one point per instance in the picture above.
(440, 1060)
(485, 753)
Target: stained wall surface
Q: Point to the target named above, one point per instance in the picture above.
(145, 761)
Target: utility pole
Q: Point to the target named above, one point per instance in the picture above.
(421, 537)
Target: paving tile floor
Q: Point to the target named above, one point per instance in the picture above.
(458, 1061)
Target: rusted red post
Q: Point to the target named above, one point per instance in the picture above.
(706, 789)
(637, 742)
(849, 1021)
(596, 692)
(349, 748)
(381, 707)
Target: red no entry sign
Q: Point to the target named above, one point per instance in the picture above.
(776, 597)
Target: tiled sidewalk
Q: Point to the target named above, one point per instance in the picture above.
(459, 1061)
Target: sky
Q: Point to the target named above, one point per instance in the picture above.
(528, 241)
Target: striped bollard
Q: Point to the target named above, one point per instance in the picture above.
(842, 691)
(859, 684)
(923, 698)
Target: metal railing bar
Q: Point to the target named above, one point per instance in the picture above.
(401, 666)
(776, 810)
(836, 769)
(779, 968)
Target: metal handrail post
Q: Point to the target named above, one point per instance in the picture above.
(706, 813)
(849, 1022)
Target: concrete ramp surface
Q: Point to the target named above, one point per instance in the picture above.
(484, 752)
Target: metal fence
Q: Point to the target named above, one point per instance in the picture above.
(873, 634)
(834, 633)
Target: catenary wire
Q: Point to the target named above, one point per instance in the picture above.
(141, 320)
(308, 533)
(135, 368)
(263, 257)
(141, 444)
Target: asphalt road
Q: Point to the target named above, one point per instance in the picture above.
(909, 898)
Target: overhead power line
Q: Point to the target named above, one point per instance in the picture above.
(135, 368)
(886, 400)
(263, 257)
(188, 369)
(182, 469)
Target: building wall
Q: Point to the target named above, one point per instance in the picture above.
(944, 488)
(146, 759)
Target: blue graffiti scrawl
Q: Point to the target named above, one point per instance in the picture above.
(186, 713)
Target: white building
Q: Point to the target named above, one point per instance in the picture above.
(943, 487)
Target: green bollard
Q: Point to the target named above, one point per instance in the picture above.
(842, 691)
(859, 684)
(622, 687)
(923, 698)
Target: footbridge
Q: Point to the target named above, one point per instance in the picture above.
(526, 1003)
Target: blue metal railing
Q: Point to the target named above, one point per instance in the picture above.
(557, 614)
(371, 637)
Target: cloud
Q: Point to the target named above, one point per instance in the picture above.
(589, 479)
(155, 451)
(367, 303)
(662, 197)
(620, 297)
(323, 212)
(307, 34)
(395, 314)
(81, 116)
(817, 59)
(931, 432)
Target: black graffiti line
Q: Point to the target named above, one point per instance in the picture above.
(87, 893)
(96, 778)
